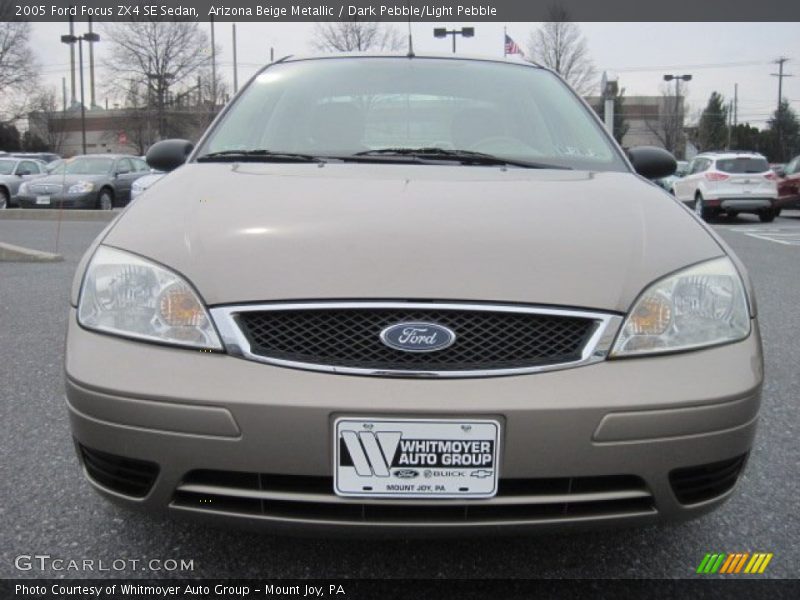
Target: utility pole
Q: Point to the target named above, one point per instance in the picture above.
(780, 75)
(778, 113)
(92, 97)
(213, 68)
(730, 123)
(235, 64)
(735, 104)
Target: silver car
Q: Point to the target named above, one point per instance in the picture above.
(412, 294)
(13, 173)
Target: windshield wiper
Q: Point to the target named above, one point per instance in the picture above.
(462, 156)
(257, 156)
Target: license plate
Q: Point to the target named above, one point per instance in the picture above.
(42, 199)
(416, 458)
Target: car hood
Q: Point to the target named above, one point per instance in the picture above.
(71, 179)
(261, 232)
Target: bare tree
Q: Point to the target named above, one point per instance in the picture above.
(47, 122)
(560, 45)
(667, 124)
(349, 36)
(160, 57)
(17, 66)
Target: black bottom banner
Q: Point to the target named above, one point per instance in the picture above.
(383, 589)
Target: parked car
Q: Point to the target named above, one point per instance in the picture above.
(666, 182)
(45, 157)
(141, 184)
(391, 293)
(100, 181)
(13, 173)
(729, 182)
(789, 185)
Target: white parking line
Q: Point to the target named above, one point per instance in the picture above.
(788, 236)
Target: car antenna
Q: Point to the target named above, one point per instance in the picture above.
(410, 38)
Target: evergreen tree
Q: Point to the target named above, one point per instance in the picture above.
(9, 137)
(712, 130)
(783, 134)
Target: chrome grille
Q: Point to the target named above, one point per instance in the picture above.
(45, 188)
(346, 337)
(301, 498)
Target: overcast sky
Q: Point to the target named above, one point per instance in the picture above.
(718, 55)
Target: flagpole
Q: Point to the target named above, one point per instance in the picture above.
(505, 35)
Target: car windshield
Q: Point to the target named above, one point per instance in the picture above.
(87, 166)
(343, 107)
(742, 165)
(7, 167)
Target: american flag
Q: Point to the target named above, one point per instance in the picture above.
(512, 47)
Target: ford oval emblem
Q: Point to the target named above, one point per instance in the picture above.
(418, 337)
(405, 473)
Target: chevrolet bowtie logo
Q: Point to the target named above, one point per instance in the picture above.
(481, 474)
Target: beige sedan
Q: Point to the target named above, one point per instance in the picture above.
(417, 295)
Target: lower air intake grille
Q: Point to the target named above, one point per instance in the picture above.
(705, 482)
(311, 499)
(350, 338)
(123, 475)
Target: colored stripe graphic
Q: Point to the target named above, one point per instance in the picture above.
(741, 562)
(717, 564)
(723, 563)
(759, 562)
(703, 563)
(729, 562)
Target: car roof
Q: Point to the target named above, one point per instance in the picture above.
(729, 154)
(511, 59)
(108, 155)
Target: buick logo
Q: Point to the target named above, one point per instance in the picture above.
(418, 337)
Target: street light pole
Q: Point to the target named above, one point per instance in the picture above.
(71, 39)
(83, 105)
(441, 32)
(678, 123)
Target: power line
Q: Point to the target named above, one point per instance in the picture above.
(725, 65)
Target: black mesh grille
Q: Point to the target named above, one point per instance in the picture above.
(350, 337)
(124, 475)
(704, 482)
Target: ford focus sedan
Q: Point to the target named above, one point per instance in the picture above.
(409, 295)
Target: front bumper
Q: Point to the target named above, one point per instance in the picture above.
(746, 204)
(261, 435)
(85, 201)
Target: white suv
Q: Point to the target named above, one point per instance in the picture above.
(730, 182)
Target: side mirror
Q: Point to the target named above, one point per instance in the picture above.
(780, 173)
(168, 155)
(122, 172)
(652, 162)
(23, 172)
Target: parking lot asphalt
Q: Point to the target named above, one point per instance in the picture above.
(48, 508)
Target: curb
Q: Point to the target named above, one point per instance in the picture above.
(49, 214)
(12, 253)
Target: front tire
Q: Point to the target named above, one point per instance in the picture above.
(105, 201)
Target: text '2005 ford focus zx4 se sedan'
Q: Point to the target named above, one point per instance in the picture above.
(411, 294)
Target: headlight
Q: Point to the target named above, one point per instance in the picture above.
(130, 296)
(703, 305)
(81, 187)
